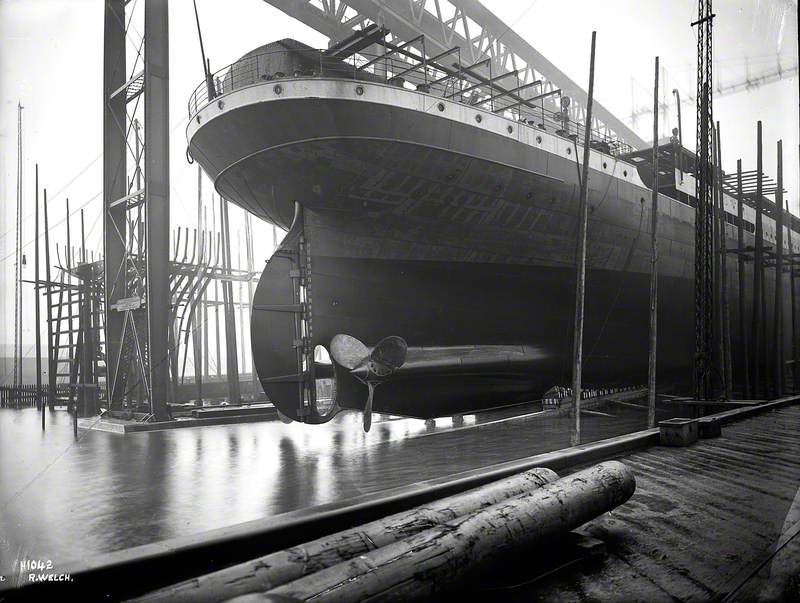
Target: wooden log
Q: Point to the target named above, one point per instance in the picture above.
(430, 563)
(284, 566)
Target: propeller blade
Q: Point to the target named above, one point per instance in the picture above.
(368, 406)
(390, 352)
(348, 351)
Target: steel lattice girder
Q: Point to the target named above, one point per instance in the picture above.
(463, 23)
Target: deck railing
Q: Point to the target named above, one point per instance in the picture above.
(503, 95)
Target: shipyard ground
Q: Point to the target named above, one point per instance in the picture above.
(718, 520)
(704, 522)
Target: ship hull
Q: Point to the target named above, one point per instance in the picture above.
(449, 231)
(450, 304)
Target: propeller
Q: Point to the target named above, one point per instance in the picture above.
(371, 367)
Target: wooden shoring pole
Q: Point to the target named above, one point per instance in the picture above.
(204, 299)
(197, 322)
(285, 566)
(37, 306)
(51, 367)
(231, 364)
(653, 343)
(777, 326)
(793, 301)
(216, 287)
(240, 298)
(70, 315)
(757, 276)
(795, 332)
(83, 331)
(765, 354)
(580, 260)
(743, 335)
(719, 353)
(250, 261)
(725, 335)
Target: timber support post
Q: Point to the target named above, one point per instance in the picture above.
(653, 343)
(743, 335)
(580, 260)
(758, 273)
(777, 329)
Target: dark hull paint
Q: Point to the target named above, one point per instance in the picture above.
(448, 235)
(450, 304)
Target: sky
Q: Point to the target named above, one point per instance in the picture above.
(51, 62)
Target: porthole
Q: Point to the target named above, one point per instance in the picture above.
(220, 104)
(539, 139)
(440, 106)
(569, 151)
(510, 129)
(478, 118)
(605, 165)
(359, 90)
(625, 173)
(277, 89)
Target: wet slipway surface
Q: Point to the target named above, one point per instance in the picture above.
(62, 500)
(717, 519)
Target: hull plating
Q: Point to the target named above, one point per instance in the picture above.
(449, 234)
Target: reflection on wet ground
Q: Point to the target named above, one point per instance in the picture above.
(61, 499)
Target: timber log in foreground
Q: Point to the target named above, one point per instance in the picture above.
(282, 567)
(436, 560)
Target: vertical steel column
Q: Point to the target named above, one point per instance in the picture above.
(742, 292)
(757, 274)
(580, 261)
(653, 344)
(156, 143)
(704, 215)
(777, 326)
(114, 184)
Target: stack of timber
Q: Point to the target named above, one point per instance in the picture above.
(423, 552)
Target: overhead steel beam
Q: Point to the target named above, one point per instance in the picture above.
(464, 23)
(156, 134)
